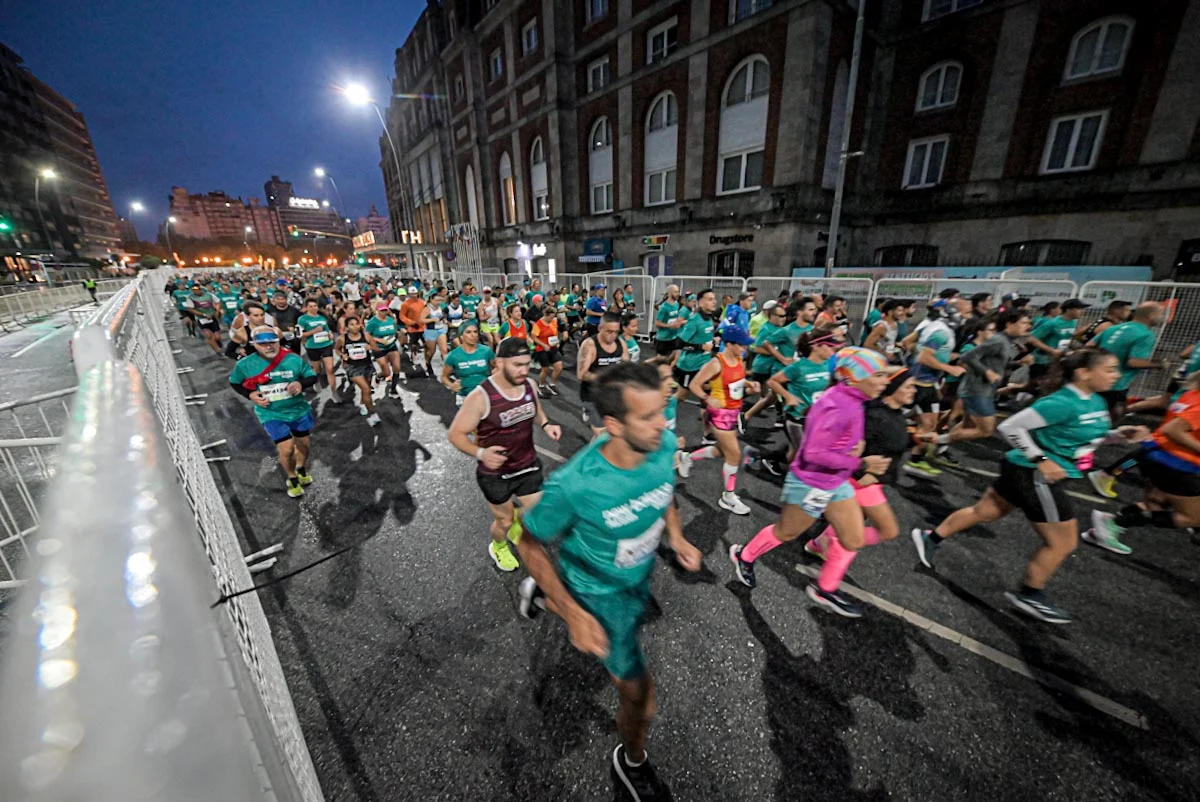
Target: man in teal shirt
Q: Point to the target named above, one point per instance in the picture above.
(696, 339)
(607, 508)
(1051, 337)
(276, 386)
(667, 322)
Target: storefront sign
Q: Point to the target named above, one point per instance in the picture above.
(596, 247)
(303, 203)
(731, 239)
(364, 240)
(656, 242)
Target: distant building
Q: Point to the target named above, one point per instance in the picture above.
(376, 224)
(40, 129)
(217, 215)
(306, 214)
(126, 231)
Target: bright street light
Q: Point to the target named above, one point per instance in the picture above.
(172, 219)
(249, 229)
(357, 94)
(136, 206)
(319, 172)
(46, 172)
(325, 204)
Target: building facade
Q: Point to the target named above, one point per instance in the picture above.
(983, 132)
(219, 216)
(377, 224)
(305, 215)
(41, 130)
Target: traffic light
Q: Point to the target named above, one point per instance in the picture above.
(360, 259)
(295, 232)
(5, 226)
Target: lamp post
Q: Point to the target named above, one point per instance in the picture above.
(835, 217)
(320, 172)
(358, 95)
(49, 175)
(172, 220)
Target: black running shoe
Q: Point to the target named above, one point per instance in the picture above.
(836, 602)
(1037, 607)
(533, 600)
(745, 570)
(640, 783)
(772, 467)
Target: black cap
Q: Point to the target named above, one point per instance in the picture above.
(511, 347)
(1073, 303)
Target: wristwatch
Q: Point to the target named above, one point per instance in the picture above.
(1039, 459)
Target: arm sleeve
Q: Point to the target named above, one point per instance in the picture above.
(819, 437)
(553, 515)
(974, 358)
(1018, 429)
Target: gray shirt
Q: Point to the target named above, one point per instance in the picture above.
(994, 355)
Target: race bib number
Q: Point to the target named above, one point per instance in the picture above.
(356, 350)
(737, 390)
(231, 304)
(815, 502)
(632, 552)
(321, 337)
(552, 340)
(1064, 344)
(204, 321)
(275, 392)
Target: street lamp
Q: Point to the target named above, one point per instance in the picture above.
(358, 95)
(172, 220)
(137, 207)
(321, 172)
(49, 175)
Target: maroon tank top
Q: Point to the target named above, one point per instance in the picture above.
(508, 424)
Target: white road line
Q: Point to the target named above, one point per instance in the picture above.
(38, 341)
(545, 452)
(1071, 493)
(1014, 664)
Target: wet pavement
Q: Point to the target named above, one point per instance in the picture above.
(415, 678)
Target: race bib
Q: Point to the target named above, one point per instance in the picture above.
(275, 392)
(553, 340)
(815, 502)
(321, 337)
(632, 552)
(1064, 344)
(231, 304)
(204, 321)
(737, 390)
(356, 350)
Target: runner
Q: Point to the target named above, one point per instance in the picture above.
(317, 340)
(231, 303)
(488, 313)
(780, 346)
(1053, 442)
(355, 348)
(721, 384)
(596, 354)
(629, 330)
(412, 309)
(607, 509)
(1051, 338)
(696, 340)
(887, 437)
(285, 316)
(547, 351)
(180, 295)
(381, 331)
(252, 316)
(818, 481)
(594, 309)
(466, 367)
(275, 379)
(883, 334)
(667, 323)
(1169, 462)
(514, 324)
(1117, 312)
(204, 309)
(934, 354)
(495, 426)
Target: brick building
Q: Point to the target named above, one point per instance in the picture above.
(219, 216)
(984, 132)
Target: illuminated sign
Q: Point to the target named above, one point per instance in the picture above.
(303, 203)
(656, 242)
(364, 240)
(533, 251)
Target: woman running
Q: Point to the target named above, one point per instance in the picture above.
(465, 368)
(1054, 441)
(433, 321)
(798, 385)
(355, 347)
(721, 386)
(629, 330)
(515, 326)
(317, 340)
(1169, 462)
(488, 313)
(381, 329)
(886, 436)
(831, 452)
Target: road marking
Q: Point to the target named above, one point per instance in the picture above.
(36, 342)
(1014, 664)
(545, 452)
(1071, 493)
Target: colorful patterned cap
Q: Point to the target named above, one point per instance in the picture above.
(855, 364)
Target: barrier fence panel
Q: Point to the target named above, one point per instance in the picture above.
(856, 292)
(1179, 329)
(568, 280)
(479, 278)
(642, 287)
(721, 285)
(1038, 292)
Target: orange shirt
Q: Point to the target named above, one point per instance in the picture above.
(410, 313)
(729, 386)
(545, 331)
(1186, 406)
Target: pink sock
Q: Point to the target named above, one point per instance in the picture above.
(730, 473)
(822, 540)
(837, 562)
(760, 544)
(870, 536)
(706, 452)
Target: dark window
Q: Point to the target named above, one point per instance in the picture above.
(1045, 252)
(731, 263)
(906, 255)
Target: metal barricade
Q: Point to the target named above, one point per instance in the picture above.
(922, 290)
(721, 285)
(642, 287)
(480, 278)
(856, 292)
(1180, 325)
(132, 413)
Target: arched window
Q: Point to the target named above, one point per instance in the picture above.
(508, 195)
(939, 84)
(662, 149)
(743, 131)
(600, 166)
(538, 187)
(1099, 49)
(472, 210)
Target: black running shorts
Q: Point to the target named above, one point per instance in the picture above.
(1028, 491)
(1169, 480)
(498, 489)
(928, 400)
(666, 347)
(548, 358)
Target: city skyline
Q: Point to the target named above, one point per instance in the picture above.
(218, 109)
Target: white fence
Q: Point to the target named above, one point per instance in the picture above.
(19, 308)
(856, 292)
(642, 287)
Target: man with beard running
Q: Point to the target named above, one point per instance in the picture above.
(597, 353)
(607, 509)
(495, 426)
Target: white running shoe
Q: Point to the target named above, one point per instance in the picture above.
(731, 502)
(362, 410)
(374, 419)
(685, 465)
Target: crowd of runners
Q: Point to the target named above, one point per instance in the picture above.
(854, 406)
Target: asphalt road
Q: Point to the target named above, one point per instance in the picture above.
(415, 678)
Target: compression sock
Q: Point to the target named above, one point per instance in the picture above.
(704, 452)
(729, 473)
(871, 536)
(837, 562)
(760, 544)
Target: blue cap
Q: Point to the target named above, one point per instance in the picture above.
(737, 335)
(266, 337)
(598, 287)
(282, 282)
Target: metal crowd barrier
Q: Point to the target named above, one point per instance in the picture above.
(119, 682)
(19, 308)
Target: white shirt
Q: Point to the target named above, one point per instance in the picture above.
(351, 291)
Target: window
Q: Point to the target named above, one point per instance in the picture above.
(743, 131)
(508, 197)
(598, 75)
(1099, 49)
(740, 9)
(926, 157)
(538, 186)
(939, 86)
(1073, 142)
(602, 198)
(940, 8)
(529, 37)
(460, 88)
(751, 80)
(662, 149)
(600, 166)
(906, 256)
(1045, 252)
(731, 263)
(497, 62)
(661, 40)
(596, 9)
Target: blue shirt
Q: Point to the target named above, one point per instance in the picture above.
(737, 317)
(595, 310)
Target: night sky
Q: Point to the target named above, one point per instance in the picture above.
(218, 95)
